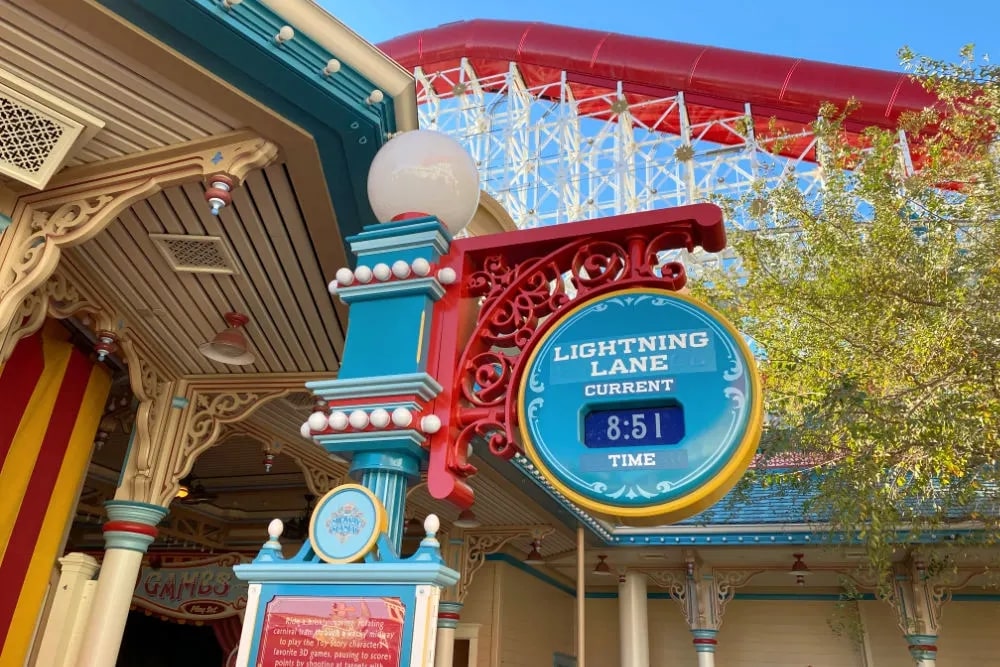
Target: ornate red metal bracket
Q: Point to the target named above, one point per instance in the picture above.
(510, 287)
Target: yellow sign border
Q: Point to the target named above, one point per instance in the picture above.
(380, 527)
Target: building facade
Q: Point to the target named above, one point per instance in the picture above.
(177, 182)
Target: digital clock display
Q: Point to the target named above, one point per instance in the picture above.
(634, 427)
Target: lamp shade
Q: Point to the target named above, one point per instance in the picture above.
(602, 567)
(229, 346)
(424, 173)
(534, 556)
(466, 519)
(799, 569)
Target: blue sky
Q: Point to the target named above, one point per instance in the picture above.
(854, 32)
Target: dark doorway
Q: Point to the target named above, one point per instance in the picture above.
(461, 658)
(150, 642)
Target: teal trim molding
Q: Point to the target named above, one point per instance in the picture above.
(123, 539)
(516, 563)
(238, 46)
(135, 512)
(5, 221)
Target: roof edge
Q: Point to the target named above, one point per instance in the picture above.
(327, 31)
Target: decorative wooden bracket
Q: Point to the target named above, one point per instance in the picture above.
(82, 201)
(479, 543)
(703, 593)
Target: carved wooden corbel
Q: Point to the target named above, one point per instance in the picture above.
(80, 202)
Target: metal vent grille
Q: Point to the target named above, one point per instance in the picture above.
(195, 254)
(38, 131)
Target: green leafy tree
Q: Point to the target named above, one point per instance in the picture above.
(877, 303)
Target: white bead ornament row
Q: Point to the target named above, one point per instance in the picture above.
(359, 420)
(381, 272)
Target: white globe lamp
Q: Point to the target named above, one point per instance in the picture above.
(424, 173)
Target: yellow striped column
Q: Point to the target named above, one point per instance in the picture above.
(53, 400)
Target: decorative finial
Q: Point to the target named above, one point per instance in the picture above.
(285, 34)
(218, 191)
(432, 524)
(274, 530)
(107, 343)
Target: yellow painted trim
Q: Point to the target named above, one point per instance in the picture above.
(61, 505)
(420, 336)
(15, 472)
(381, 525)
(698, 499)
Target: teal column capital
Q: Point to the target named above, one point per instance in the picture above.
(922, 647)
(449, 614)
(704, 640)
(135, 511)
(131, 525)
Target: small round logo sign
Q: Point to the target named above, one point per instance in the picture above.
(642, 404)
(346, 524)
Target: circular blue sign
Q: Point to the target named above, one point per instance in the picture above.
(346, 524)
(642, 404)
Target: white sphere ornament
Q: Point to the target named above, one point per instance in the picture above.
(430, 424)
(338, 421)
(382, 272)
(380, 418)
(447, 276)
(275, 528)
(402, 417)
(424, 173)
(358, 419)
(344, 276)
(363, 274)
(432, 524)
(317, 421)
(306, 430)
(421, 267)
(401, 269)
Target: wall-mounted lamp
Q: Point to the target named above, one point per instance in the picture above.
(799, 570)
(534, 556)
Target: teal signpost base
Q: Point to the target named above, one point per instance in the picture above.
(318, 609)
(304, 612)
